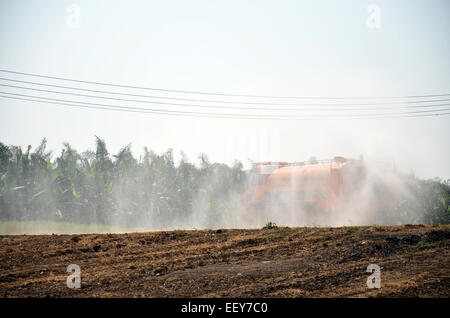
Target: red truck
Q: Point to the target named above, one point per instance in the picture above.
(315, 186)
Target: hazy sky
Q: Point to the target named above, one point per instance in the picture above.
(287, 48)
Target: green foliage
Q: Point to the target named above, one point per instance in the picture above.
(37, 227)
(426, 202)
(270, 226)
(94, 187)
(352, 228)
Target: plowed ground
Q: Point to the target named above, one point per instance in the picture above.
(281, 262)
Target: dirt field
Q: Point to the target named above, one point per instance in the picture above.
(282, 262)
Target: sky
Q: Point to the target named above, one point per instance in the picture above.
(281, 48)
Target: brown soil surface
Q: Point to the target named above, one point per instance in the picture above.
(282, 262)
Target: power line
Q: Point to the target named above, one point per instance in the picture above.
(219, 94)
(219, 101)
(229, 107)
(217, 115)
(417, 103)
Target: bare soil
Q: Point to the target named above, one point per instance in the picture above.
(281, 262)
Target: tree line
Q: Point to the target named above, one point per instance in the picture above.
(95, 187)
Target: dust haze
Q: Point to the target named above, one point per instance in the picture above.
(95, 191)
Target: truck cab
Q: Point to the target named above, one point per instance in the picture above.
(255, 195)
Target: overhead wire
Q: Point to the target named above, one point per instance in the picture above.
(218, 101)
(214, 93)
(349, 111)
(217, 115)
